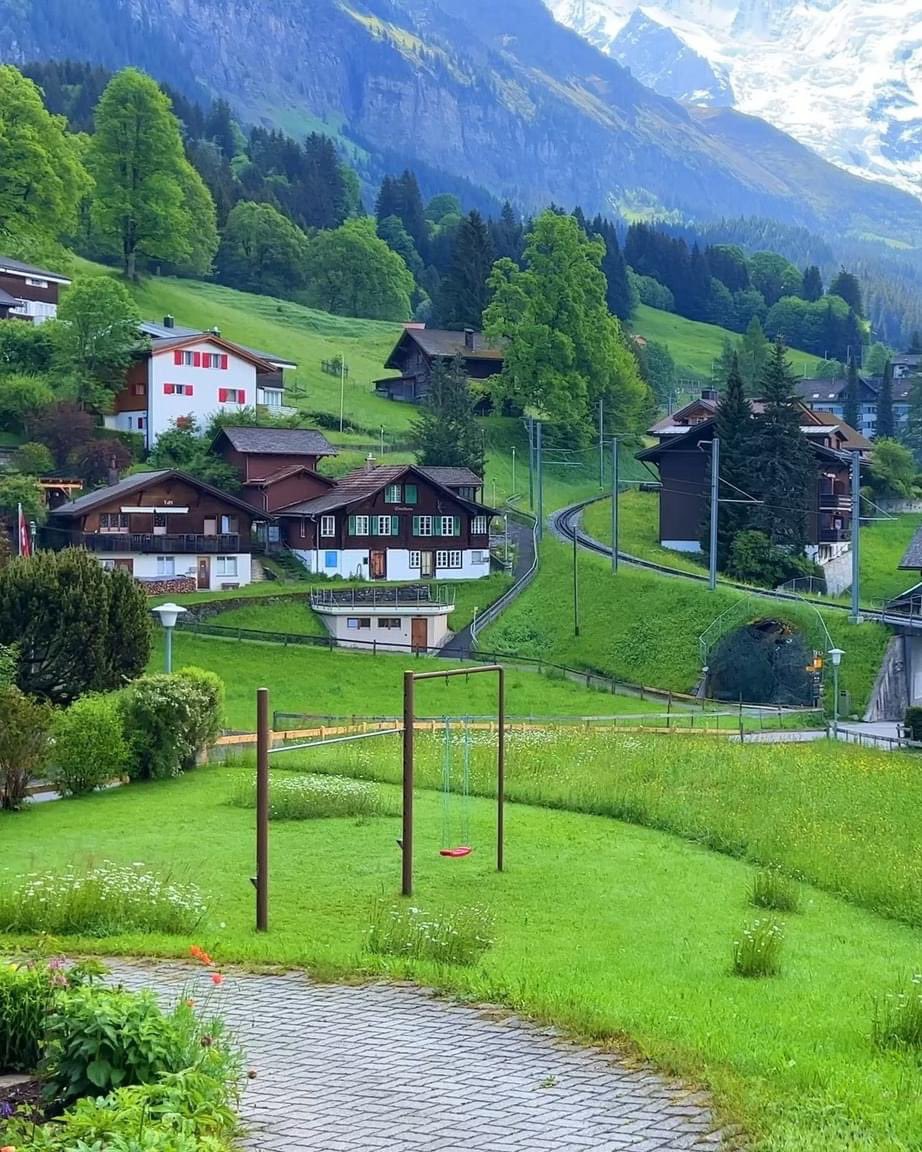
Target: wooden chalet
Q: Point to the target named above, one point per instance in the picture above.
(418, 349)
(28, 293)
(277, 466)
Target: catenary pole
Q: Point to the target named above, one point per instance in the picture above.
(715, 511)
(614, 504)
(540, 478)
(856, 537)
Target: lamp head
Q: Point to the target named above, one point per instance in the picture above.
(835, 655)
(169, 614)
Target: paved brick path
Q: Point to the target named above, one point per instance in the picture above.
(391, 1067)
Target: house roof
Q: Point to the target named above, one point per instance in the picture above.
(365, 482)
(440, 343)
(671, 425)
(277, 441)
(683, 442)
(103, 496)
(161, 334)
(454, 477)
(912, 557)
(287, 473)
(17, 268)
(8, 301)
(854, 441)
(158, 346)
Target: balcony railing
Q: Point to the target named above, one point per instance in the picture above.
(182, 544)
(835, 500)
(835, 535)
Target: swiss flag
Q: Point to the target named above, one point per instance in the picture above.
(25, 540)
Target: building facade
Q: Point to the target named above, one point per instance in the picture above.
(419, 348)
(162, 527)
(28, 293)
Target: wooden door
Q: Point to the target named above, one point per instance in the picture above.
(379, 565)
(127, 565)
(204, 573)
(420, 634)
(426, 565)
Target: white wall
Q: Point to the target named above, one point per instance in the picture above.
(683, 545)
(375, 637)
(145, 567)
(354, 563)
(203, 403)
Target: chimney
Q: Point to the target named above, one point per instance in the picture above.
(216, 331)
(370, 463)
(710, 394)
(470, 339)
(169, 322)
(113, 473)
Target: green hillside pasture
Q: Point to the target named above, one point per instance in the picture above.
(641, 627)
(695, 346)
(883, 543)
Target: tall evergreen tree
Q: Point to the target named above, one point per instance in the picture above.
(753, 355)
(446, 433)
(621, 296)
(813, 283)
(885, 427)
(781, 461)
(464, 292)
(508, 235)
(734, 427)
(851, 410)
(845, 285)
(912, 433)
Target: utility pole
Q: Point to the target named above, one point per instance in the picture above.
(513, 492)
(539, 478)
(531, 464)
(601, 442)
(575, 586)
(856, 537)
(715, 510)
(342, 389)
(614, 504)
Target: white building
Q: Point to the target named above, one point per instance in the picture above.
(406, 619)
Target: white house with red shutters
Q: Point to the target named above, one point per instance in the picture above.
(190, 373)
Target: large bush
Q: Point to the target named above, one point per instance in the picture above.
(754, 559)
(89, 747)
(77, 628)
(169, 720)
(24, 725)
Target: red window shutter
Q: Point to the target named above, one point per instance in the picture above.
(168, 389)
(222, 395)
(177, 357)
(223, 362)
(196, 359)
(241, 397)
(188, 389)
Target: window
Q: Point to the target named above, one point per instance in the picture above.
(229, 524)
(330, 559)
(480, 557)
(107, 565)
(327, 526)
(166, 565)
(139, 389)
(358, 622)
(414, 560)
(449, 526)
(181, 357)
(141, 423)
(454, 559)
(176, 389)
(225, 565)
(36, 282)
(392, 494)
(389, 622)
(358, 525)
(466, 493)
(113, 522)
(422, 525)
(448, 559)
(441, 559)
(232, 396)
(387, 526)
(479, 526)
(213, 360)
(410, 495)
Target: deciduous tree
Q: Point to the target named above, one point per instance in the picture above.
(261, 251)
(352, 272)
(98, 335)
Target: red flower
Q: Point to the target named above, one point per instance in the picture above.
(217, 979)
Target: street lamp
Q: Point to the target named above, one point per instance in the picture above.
(835, 655)
(169, 614)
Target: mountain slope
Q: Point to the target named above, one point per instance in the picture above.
(843, 76)
(664, 62)
(498, 93)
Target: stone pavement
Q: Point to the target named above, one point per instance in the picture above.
(392, 1068)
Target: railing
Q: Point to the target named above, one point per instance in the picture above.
(403, 596)
(835, 500)
(179, 543)
(499, 606)
(834, 536)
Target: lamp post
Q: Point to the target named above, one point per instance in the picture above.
(835, 655)
(169, 614)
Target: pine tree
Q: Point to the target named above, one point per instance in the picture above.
(508, 235)
(446, 433)
(851, 411)
(753, 355)
(621, 296)
(464, 293)
(885, 404)
(813, 283)
(912, 435)
(733, 426)
(846, 286)
(781, 462)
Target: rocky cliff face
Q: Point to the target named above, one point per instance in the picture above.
(499, 94)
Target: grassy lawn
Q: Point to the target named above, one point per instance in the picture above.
(638, 530)
(695, 346)
(343, 683)
(622, 934)
(642, 627)
(882, 546)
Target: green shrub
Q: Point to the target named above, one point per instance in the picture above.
(103, 901)
(313, 797)
(754, 559)
(88, 745)
(897, 1019)
(913, 722)
(27, 992)
(169, 719)
(24, 726)
(33, 459)
(758, 950)
(772, 889)
(459, 936)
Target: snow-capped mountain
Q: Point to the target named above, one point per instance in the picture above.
(842, 76)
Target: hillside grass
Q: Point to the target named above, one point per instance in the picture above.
(641, 627)
(882, 546)
(621, 934)
(696, 346)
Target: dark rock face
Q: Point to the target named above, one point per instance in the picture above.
(664, 62)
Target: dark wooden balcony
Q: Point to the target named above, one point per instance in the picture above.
(835, 501)
(179, 544)
(835, 535)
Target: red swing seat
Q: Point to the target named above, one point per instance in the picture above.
(456, 853)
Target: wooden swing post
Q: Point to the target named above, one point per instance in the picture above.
(409, 724)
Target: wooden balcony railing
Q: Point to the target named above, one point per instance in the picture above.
(180, 543)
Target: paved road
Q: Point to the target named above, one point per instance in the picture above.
(391, 1068)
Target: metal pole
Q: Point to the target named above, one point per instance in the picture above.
(407, 841)
(575, 587)
(835, 703)
(168, 654)
(382, 440)
(531, 464)
(540, 479)
(856, 538)
(601, 442)
(501, 772)
(614, 504)
(512, 493)
(715, 511)
(262, 810)
(342, 388)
